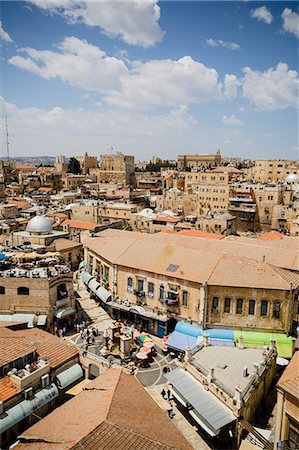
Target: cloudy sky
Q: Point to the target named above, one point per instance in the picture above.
(150, 78)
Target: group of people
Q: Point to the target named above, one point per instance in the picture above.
(166, 394)
(59, 331)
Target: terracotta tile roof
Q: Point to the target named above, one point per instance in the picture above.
(271, 236)
(45, 189)
(64, 244)
(13, 347)
(289, 381)
(21, 167)
(19, 204)
(198, 233)
(104, 416)
(58, 350)
(59, 215)
(80, 224)
(291, 276)
(7, 389)
(226, 169)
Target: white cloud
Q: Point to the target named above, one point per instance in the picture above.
(276, 88)
(135, 22)
(76, 62)
(290, 21)
(4, 36)
(166, 83)
(231, 84)
(221, 43)
(262, 14)
(231, 120)
(156, 83)
(69, 129)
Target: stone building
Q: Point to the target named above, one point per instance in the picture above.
(117, 168)
(274, 171)
(87, 162)
(36, 369)
(7, 169)
(61, 164)
(39, 232)
(287, 415)
(101, 212)
(198, 160)
(211, 282)
(43, 290)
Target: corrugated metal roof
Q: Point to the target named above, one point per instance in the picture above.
(211, 411)
(69, 375)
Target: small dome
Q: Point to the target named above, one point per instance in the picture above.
(147, 212)
(167, 213)
(40, 225)
(292, 178)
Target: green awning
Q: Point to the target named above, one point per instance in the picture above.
(64, 312)
(69, 376)
(21, 410)
(256, 339)
(86, 277)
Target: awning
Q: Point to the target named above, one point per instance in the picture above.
(180, 341)
(29, 318)
(209, 412)
(137, 310)
(64, 312)
(86, 277)
(103, 294)
(69, 376)
(21, 410)
(93, 285)
(41, 320)
(82, 265)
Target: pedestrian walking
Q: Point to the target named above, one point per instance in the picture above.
(163, 393)
(170, 413)
(60, 332)
(168, 394)
(63, 331)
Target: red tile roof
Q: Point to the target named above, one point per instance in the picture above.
(113, 412)
(202, 234)
(21, 167)
(13, 347)
(80, 224)
(271, 236)
(7, 389)
(289, 381)
(58, 350)
(59, 215)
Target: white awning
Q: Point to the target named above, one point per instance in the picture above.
(64, 312)
(41, 320)
(69, 376)
(103, 294)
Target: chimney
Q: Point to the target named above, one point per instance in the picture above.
(256, 368)
(205, 340)
(245, 372)
(241, 343)
(211, 375)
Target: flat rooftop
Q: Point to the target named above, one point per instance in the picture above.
(232, 359)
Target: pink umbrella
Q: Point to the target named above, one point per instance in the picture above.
(141, 355)
(136, 333)
(145, 350)
(149, 345)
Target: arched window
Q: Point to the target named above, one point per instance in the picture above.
(23, 290)
(130, 284)
(61, 291)
(2, 290)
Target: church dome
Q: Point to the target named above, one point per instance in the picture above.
(292, 178)
(39, 225)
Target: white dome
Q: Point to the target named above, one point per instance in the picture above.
(146, 212)
(168, 213)
(292, 178)
(39, 224)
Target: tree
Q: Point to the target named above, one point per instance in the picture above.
(74, 166)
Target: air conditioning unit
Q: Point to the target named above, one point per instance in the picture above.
(28, 393)
(45, 380)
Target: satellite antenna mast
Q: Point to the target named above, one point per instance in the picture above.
(7, 141)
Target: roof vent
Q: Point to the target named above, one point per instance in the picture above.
(222, 365)
(245, 372)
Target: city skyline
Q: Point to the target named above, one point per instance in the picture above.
(150, 78)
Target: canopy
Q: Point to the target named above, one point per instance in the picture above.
(3, 256)
(23, 409)
(209, 412)
(69, 376)
(180, 341)
(93, 285)
(86, 277)
(64, 312)
(41, 320)
(103, 294)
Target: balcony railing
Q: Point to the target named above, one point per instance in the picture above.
(243, 208)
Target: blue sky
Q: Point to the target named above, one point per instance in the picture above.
(149, 78)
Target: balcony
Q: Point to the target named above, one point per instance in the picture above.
(243, 208)
(241, 199)
(139, 293)
(30, 374)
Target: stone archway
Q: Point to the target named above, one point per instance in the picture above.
(93, 371)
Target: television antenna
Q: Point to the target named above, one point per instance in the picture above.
(7, 140)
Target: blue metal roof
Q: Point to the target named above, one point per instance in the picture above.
(207, 410)
(180, 341)
(23, 409)
(69, 376)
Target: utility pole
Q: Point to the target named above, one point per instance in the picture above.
(7, 141)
